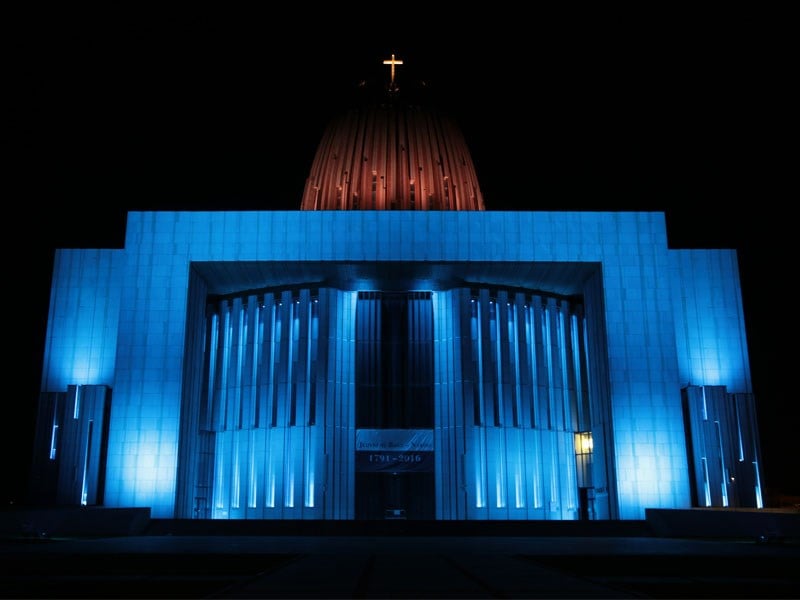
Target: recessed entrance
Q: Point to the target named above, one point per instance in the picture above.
(394, 406)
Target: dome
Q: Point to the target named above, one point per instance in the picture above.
(392, 156)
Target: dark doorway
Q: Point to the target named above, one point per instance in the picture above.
(394, 390)
(395, 496)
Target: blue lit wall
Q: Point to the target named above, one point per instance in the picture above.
(645, 445)
(709, 323)
(81, 339)
(511, 387)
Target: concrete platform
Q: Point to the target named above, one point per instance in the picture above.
(262, 559)
(397, 567)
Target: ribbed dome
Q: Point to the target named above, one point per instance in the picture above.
(392, 157)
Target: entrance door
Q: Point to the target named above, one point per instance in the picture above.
(395, 496)
(394, 391)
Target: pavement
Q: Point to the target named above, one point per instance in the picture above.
(397, 566)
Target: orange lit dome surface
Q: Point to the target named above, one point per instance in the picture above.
(392, 156)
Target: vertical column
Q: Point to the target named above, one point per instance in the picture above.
(595, 336)
(454, 380)
(337, 331)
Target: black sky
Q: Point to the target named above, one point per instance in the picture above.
(683, 113)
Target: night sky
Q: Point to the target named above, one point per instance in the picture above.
(682, 113)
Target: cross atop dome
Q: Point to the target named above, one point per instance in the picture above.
(392, 62)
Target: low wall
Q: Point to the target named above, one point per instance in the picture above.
(765, 524)
(73, 521)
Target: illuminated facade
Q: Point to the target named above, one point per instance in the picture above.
(394, 351)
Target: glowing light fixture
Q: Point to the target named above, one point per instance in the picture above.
(584, 449)
(583, 443)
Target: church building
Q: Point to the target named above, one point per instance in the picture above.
(394, 350)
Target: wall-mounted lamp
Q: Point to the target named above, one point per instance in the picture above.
(583, 443)
(584, 457)
(584, 449)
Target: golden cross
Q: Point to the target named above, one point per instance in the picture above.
(392, 62)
